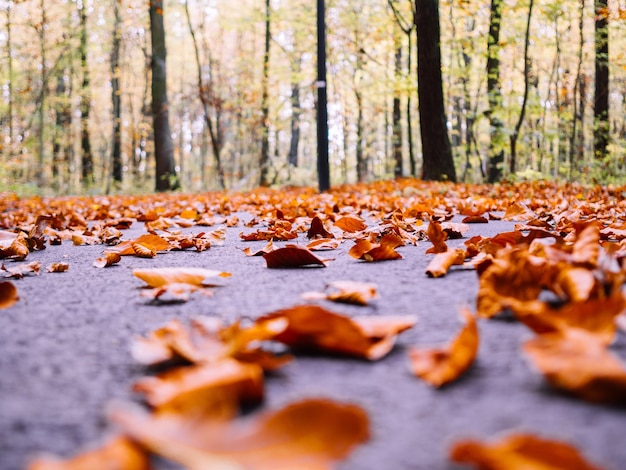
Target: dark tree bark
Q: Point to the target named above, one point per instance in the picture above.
(437, 152)
(296, 112)
(601, 99)
(85, 103)
(520, 121)
(265, 106)
(398, 169)
(495, 157)
(116, 95)
(166, 178)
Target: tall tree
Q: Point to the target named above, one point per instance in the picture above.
(85, 100)
(116, 94)
(437, 152)
(520, 121)
(495, 156)
(264, 160)
(166, 178)
(41, 178)
(398, 168)
(601, 100)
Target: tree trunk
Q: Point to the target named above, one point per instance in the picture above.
(9, 25)
(85, 102)
(601, 99)
(361, 163)
(41, 179)
(116, 95)
(265, 107)
(296, 111)
(398, 169)
(495, 156)
(166, 178)
(520, 121)
(437, 153)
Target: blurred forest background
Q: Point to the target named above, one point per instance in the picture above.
(531, 89)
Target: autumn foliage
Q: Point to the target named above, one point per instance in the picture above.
(560, 272)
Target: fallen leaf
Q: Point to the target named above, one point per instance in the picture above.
(351, 223)
(314, 328)
(292, 256)
(174, 292)
(154, 241)
(8, 294)
(518, 212)
(437, 237)
(306, 435)
(117, 454)
(577, 362)
(365, 250)
(17, 250)
(317, 229)
(144, 250)
(442, 262)
(23, 269)
(158, 277)
(440, 366)
(520, 452)
(109, 259)
(350, 292)
(322, 244)
(58, 267)
(266, 249)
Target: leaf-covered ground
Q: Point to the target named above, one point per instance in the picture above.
(394, 325)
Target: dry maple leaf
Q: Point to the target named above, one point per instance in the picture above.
(144, 250)
(154, 241)
(109, 259)
(216, 388)
(349, 292)
(8, 294)
(21, 270)
(266, 249)
(314, 328)
(437, 237)
(307, 435)
(58, 267)
(17, 250)
(351, 223)
(117, 454)
(365, 250)
(317, 229)
(292, 256)
(442, 262)
(586, 248)
(577, 362)
(519, 212)
(440, 366)
(158, 277)
(323, 244)
(520, 452)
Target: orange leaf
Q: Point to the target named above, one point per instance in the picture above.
(322, 244)
(577, 362)
(519, 212)
(158, 277)
(317, 229)
(520, 452)
(8, 294)
(148, 239)
(443, 365)
(351, 223)
(383, 251)
(109, 259)
(437, 237)
(117, 454)
(266, 249)
(307, 435)
(315, 328)
(58, 267)
(292, 256)
(440, 264)
(350, 292)
(20, 270)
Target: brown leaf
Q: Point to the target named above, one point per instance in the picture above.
(586, 248)
(266, 249)
(351, 223)
(17, 250)
(21, 270)
(148, 239)
(144, 250)
(437, 237)
(577, 362)
(440, 264)
(315, 328)
(117, 454)
(174, 292)
(307, 435)
(215, 388)
(8, 294)
(109, 259)
(58, 267)
(365, 250)
(317, 229)
(440, 366)
(519, 212)
(292, 256)
(520, 452)
(349, 292)
(323, 244)
(158, 277)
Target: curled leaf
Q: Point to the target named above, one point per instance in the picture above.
(292, 256)
(174, 292)
(58, 267)
(266, 249)
(310, 434)
(144, 250)
(520, 452)
(350, 292)
(437, 237)
(322, 244)
(577, 362)
(8, 294)
(317, 229)
(366, 250)
(440, 264)
(158, 277)
(351, 223)
(117, 454)
(440, 366)
(109, 259)
(315, 328)
(148, 239)
(21, 270)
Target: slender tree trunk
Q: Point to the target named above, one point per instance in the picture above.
(215, 132)
(522, 113)
(166, 178)
(574, 156)
(437, 152)
(116, 95)
(296, 112)
(601, 97)
(495, 156)
(409, 109)
(361, 163)
(11, 78)
(398, 169)
(41, 179)
(85, 101)
(265, 106)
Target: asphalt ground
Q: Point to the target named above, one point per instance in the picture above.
(65, 355)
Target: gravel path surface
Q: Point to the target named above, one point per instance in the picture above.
(65, 356)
